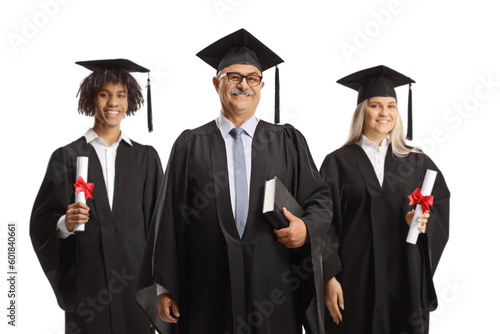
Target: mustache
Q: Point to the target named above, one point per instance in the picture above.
(236, 91)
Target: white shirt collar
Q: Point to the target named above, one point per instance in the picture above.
(364, 142)
(226, 126)
(90, 135)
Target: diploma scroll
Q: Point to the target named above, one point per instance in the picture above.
(428, 184)
(82, 167)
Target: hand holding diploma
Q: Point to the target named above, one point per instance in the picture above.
(423, 201)
(78, 213)
(421, 219)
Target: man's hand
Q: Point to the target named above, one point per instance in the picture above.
(295, 235)
(333, 298)
(164, 302)
(77, 213)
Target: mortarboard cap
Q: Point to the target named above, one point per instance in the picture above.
(380, 81)
(128, 65)
(241, 47)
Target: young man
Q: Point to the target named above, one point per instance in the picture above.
(93, 272)
(219, 265)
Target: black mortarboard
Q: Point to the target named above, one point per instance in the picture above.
(128, 65)
(241, 47)
(380, 81)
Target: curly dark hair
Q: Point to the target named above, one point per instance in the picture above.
(90, 85)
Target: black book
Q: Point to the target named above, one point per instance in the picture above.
(276, 196)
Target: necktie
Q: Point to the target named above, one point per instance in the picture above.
(240, 176)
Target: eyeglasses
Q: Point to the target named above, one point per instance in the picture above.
(236, 78)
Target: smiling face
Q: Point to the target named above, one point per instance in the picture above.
(111, 102)
(380, 118)
(238, 101)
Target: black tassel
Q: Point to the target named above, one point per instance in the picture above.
(409, 132)
(150, 108)
(277, 96)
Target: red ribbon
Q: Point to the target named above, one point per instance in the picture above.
(87, 188)
(418, 198)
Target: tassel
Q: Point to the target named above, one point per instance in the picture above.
(150, 108)
(277, 96)
(409, 131)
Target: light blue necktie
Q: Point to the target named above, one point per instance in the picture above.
(241, 188)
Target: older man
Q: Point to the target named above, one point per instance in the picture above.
(219, 265)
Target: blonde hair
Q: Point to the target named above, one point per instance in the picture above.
(397, 135)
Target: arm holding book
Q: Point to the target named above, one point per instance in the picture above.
(295, 235)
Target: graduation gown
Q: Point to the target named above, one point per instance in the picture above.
(93, 273)
(224, 284)
(387, 283)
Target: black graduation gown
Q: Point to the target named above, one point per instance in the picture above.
(224, 284)
(93, 273)
(387, 283)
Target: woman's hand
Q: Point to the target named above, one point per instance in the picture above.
(334, 298)
(422, 219)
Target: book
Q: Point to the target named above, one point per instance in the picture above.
(276, 196)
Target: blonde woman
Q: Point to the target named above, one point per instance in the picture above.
(385, 284)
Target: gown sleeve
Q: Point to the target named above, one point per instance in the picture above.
(152, 185)
(57, 256)
(431, 244)
(165, 243)
(311, 192)
(331, 260)
(315, 198)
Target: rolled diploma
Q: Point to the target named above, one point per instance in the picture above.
(430, 177)
(82, 167)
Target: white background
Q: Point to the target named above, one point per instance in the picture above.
(450, 48)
